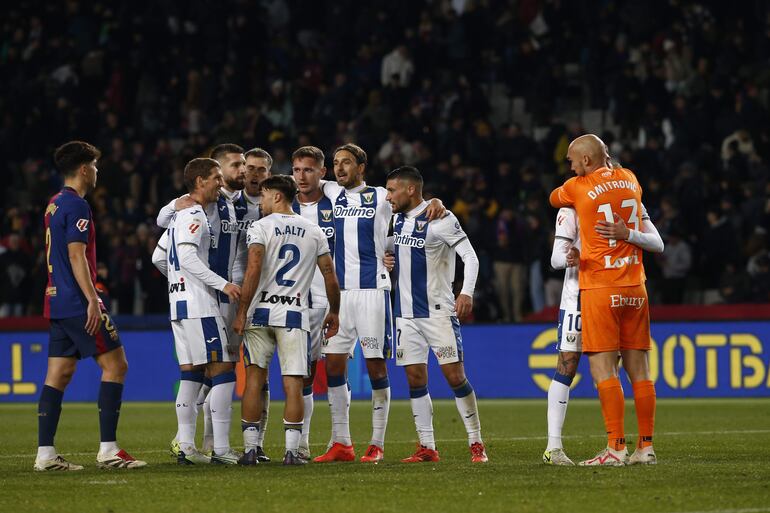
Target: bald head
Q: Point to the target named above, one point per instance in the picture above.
(587, 153)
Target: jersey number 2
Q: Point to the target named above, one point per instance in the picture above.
(288, 266)
(606, 209)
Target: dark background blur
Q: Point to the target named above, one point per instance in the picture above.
(482, 96)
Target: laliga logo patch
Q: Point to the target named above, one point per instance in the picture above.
(326, 216)
(82, 225)
(193, 227)
(51, 210)
(368, 197)
(560, 220)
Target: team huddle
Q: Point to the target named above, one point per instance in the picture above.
(258, 264)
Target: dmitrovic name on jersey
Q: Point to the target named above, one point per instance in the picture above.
(425, 263)
(292, 247)
(188, 296)
(320, 213)
(361, 219)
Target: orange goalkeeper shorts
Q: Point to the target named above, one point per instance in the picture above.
(615, 318)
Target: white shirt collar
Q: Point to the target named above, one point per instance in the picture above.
(357, 189)
(232, 196)
(417, 210)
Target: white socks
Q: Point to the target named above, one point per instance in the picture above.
(422, 411)
(204, 404)
(221, 399)
(47, 452)
(250, 435)
(308, 400)
(339, 406)
(380, 409)
(558, 398)
(265, 414)
(187, 413)
(465, 398)
(293, 432)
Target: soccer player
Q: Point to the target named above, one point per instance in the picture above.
(284, 249)
(565, 255)
(308, 169)
(80, 325)
(227, 217)
(613, 297)
(361, 220)
(200, 335)
(426, 310)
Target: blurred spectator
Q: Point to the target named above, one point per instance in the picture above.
(15, 267)
(397, 68)
(675, 262)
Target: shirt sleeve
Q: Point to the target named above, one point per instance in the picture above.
(189, 226)
(159, 256)
(331, 189)
(78, 221)
(256, 234)
(559, 254)
(166, 214)
(471, 262)
(564, 196)
(191, 263)
(566, 224)
(322, 245)
(648, 239)
(448, 229)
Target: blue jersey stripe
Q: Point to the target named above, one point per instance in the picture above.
(339, 242)
(293, 319)
(219, 260)
(367, 256)
(261, 317)
(388, 345)
(458, 337)
(419, 274)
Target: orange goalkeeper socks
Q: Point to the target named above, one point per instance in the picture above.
(613, 410)
(644, 400)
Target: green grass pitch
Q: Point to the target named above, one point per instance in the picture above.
(714, 456)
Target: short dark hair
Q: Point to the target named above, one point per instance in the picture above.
(221, 150)
(408, 173)
(357, 151)
(200, 167)
(71, 155)
(260, 154)
(281, 183)
(311, 152)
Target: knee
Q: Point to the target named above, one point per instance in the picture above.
(118, 368)
(377, 369)
(455, 378)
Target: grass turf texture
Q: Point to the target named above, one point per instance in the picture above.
(713, 456)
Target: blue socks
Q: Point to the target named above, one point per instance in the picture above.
(110, 399)
(48, 413)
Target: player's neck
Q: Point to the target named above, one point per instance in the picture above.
(414, 204)
(198, 198)
(310, 197)
(77, 185)
(355, 185)
(283, 208)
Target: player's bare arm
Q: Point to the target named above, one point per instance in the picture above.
(435, 210)
(463, 306)
(389, 261)
(79, 263)
(249, 287)
(648, 238)
(617, 230)
(331, 322)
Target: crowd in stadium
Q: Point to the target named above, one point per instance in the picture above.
(412, 83)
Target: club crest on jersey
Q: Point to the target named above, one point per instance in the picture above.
(368, 197)
(421, 225)
(326, 216)
(51, 210)
(82, 225)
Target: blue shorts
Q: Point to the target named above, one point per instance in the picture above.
(68, 338)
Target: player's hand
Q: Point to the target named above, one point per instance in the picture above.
(573, 257)
(463, 306)
(239, 323)
(93, 317)
(389, 260)
(331, 325)
(616, 230)
(435, 210)
(233, 291)
(183, 202)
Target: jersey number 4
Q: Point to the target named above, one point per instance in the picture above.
(606, 209)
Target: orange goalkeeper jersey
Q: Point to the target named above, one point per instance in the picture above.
(595, 197)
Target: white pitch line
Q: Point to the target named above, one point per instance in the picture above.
(742, 510)
(506, 439)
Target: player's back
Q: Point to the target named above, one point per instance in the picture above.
(597, 197)
(67, 219)
(292, 247)
(319, 213)
(189, 297)
(567, 227)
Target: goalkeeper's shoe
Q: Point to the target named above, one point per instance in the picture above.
(192, 457)
(607, 457)
(557, 457)
(118, 458)
(55, 464)
(422, 454)
(231, 457)
(643, 456)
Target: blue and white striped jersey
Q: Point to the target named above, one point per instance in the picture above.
(425, 263)
(361, 220)
(247, 210)
(228, 227)
(321, 214)
(292, 247)
(188, 296)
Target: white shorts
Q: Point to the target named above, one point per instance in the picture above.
(364, 315)
(569, 332)
(200, 341)
(316, 317)
(259, 343)
(415, 336)
(229, 311)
